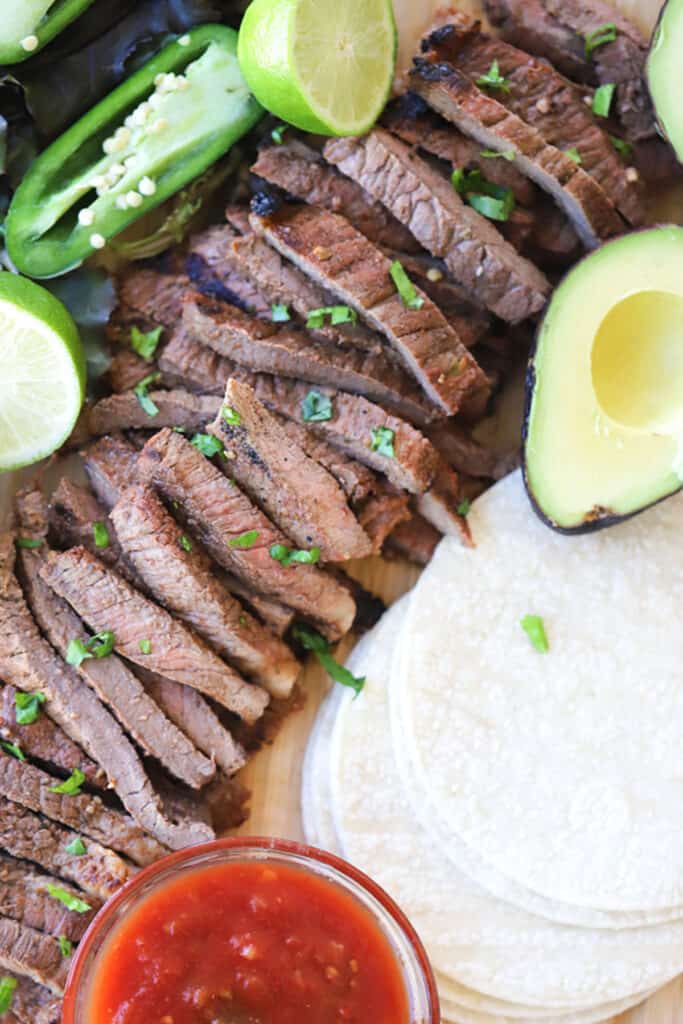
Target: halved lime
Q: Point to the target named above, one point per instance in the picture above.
(42, 372)
(323, 65)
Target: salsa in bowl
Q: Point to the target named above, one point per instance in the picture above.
(251, 931)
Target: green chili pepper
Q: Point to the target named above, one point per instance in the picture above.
(153, 134)
(28, 26)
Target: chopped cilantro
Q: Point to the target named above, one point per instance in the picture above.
(337, 314)
(464, 507)
(145, 342)
(493, 209)
(7, 987)
(13, 750)
(70, 902)
(244, 540)
(623, 148)
(405, 287)
(382, 441)
(287, 556)
(574, 155)
(98, 646)
(72, 785)
(185, 543)
(602, 100)
(278, 134)
(606, 33)
(30, 543)
(493, 79)
(487, 198)
(140, 390)
(101, 535)
(76, 847)
(493, 154)
(231, 416)
(535, 630)
(312, 641)
(316, 407)
(66, 947)
(145, 646)
(208, 445)
(27, 707)
(279, 313)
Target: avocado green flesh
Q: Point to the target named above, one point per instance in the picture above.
(665, 73)
(604, 431)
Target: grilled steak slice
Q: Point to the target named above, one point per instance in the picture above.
(27, 952)
(213, 272)
(556, 30)
(195, 716)
(359, 273)
(33, 1004)
(109, 677)
(416, 540)
(467, 456)
(302, 172)
(411, 120)
(183, 583)
(380, 514)
(146, 299)
(440, 505)
(72, 512)
(266, 348)
(297, 494)
(474, 251)
(356, 480)
(124, 412)
(349, 428)
(218, 512)
(24, 898)
(99, 872)
(28, 662)
(107, 602)
(550, 104)
(110, 466)
(24, 784)
(126, 370)
(273, 614)
(485, 118)
(46, 742)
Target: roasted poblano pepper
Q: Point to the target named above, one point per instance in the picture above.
(29, 25)
(153, 134)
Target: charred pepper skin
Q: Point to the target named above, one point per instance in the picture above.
(157, 131)
(58, 17)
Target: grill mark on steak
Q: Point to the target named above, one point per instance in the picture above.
(416, 540)
(24, 784)
(297, 494)
(124, 412)
(45, 741)
(265, 348)
(105, 601)
(183, 583)
(218, 512)
(549, 103)
(28, 662)
(109, 677)
(197, 719)
(213, 272)
(24, 898)
(333, 253)
(27, 952)
(556, 30)
(99, 872)
(474, 251)
(71, 514)
(302, 173)
(33, 1004)
(146, 299)
(453, 95)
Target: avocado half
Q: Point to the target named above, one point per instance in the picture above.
(603, 431)
(664, 73)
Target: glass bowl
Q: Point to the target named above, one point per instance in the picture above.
(410, 955)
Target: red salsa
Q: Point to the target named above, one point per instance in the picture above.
(248, 943)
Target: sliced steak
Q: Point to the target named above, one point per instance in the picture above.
(105, 601)
(415, 540)
(32, 954)
(24, 784)
(195, 716)
(441, 503)
(333, 253)
(467, 456)
(266, 348)
(349, 428)
(24, 898)
(273, 614)
(298, 495)
(99, 872)
(380, 514)
(124, 412)
(218, 512)
(110, 466)
(146, 299)
(126, 370)
(411, 120)
(183, 583)
(474, 251)
(46, 742)
(302, 172)
(28, 662)
(33, 1004)
(556, 30)
(214, 272)
(72, 512)
(356, 480)
(109, 677)
(485, 118)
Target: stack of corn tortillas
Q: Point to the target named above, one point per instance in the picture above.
(522, 807)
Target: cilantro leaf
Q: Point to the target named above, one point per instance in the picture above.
(279, 313)
(382, 441)
(79, 906)
(140, 391)
(244, 540)
(76, 847)
(27, 707)
(534, 628)
(318, 645)
(145, 342)
(287, 556)
(7, 987)
(30, 543)
(606, 33)
(464, 507)
(337, 314)
(602, 100)
(101, 535)
(493, 79)
(145, 646)
(278, 133)
(316, 408)
(574, 155)
(185, 543)
(66, 947)
(231, 416)
(208, 445)
(13, 750)
(98, 646)
(493, 154)
(72, 785)
(405, 287)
